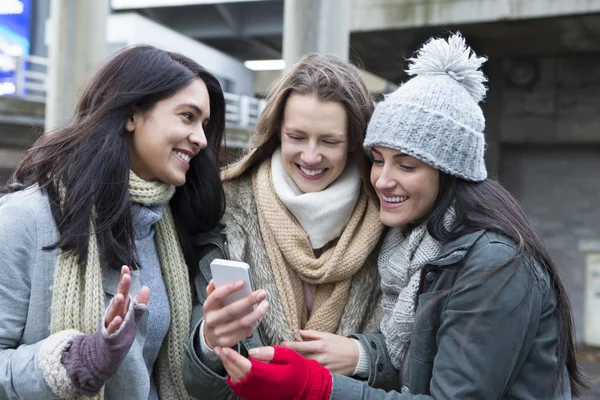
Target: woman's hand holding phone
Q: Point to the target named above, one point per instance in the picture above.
(275, 373)
(225, 326)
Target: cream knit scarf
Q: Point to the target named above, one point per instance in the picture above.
(323, 215)
(401, 259)
(293, 260)
(78, 295)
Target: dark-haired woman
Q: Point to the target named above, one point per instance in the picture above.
(100, 218)
(474, 307)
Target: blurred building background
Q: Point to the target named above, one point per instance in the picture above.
(542, 110)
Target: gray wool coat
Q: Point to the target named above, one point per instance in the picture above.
(244, 240)
(27, 274)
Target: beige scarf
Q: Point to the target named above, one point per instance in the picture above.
(78, 295)
(293, 260)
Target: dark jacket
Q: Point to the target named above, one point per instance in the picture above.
(362, 312)
(486, 327)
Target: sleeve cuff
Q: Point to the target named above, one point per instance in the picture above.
(50, 363)
(363, 366)
(133, 305)
(208, 356)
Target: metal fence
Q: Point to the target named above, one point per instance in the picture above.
(242, 111)
(30, 78)
(30, 84)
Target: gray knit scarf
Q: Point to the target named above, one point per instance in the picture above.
(401, 259)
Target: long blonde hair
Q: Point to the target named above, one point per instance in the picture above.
(327, 77)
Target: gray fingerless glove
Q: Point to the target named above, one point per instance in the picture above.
(92, 359)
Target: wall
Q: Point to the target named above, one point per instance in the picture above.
(373, 15)
(546, 145)
(562, 107)
(559, 188)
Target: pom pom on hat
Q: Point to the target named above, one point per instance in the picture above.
(435, 116)
(452, 57)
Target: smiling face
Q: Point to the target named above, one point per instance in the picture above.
(165, 139)
(407, 188)
(314, 141)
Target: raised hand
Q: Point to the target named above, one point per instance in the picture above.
(223, 325)
(120, 303)
(92, 359)
(337, 353)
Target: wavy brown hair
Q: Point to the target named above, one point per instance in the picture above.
(327, 77)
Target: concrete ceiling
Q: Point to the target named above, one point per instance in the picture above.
(246, 30)
(384, 52)
(253, 30)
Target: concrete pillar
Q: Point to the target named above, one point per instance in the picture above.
(77, 45)
(315, 25)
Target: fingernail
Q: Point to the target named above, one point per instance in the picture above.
(238, 284)
(264, 306)
(254, 352)
(218, 351)
(225, 351)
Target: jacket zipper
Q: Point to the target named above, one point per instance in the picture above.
(224, 247)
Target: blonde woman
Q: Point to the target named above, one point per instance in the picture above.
(301, 214)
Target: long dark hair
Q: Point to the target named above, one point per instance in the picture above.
(88, 160)
(487, 205)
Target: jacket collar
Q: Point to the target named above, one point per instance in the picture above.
(454, 251)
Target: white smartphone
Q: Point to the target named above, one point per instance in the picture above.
(227, 271)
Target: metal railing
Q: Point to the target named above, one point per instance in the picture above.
(30, 76)
(242, 111)
(30, 84)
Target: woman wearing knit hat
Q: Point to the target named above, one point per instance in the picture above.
(473, 304)
(128, 181)
(300, 213)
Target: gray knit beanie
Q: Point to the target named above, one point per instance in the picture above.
(435, 116)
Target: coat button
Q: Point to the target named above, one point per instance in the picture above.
(430, 277)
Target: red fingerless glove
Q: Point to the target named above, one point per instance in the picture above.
(288, 376)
